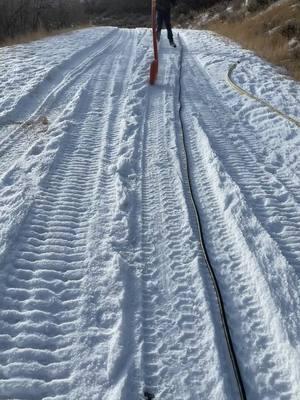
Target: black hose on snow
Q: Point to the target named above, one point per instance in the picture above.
(231, 351)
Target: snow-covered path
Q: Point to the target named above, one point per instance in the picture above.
(104, 288)
(180, 325)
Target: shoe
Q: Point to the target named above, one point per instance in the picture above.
(173, 44)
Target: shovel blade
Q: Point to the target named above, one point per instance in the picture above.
(153, 71)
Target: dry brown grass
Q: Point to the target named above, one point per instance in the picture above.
(40, 34)
(268, 33)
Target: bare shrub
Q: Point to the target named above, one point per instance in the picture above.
(18, 17)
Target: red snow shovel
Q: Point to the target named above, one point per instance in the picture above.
(154, 64)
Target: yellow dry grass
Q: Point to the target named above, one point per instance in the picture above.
(260, 32)
(40, 34)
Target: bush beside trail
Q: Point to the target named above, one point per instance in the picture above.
(19, 17)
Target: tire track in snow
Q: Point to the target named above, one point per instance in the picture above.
(215, 284)
(259, 288)
(179, 326)
(271, 140)
(40, 285)
(28, 102)
(60, 91)
(274, 199)
(268, 149)
(109, 286)
(45, 333)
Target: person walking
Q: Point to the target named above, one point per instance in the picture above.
(163, 8)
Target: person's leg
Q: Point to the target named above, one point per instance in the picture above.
(159, 22)
(167, 18)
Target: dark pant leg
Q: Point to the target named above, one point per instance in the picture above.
(167, 19)
(160, 20)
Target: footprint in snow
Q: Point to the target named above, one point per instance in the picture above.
(228, 201)
(275, 227)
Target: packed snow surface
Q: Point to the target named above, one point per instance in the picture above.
(104, 289)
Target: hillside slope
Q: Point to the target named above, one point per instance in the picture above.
(272, 31)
